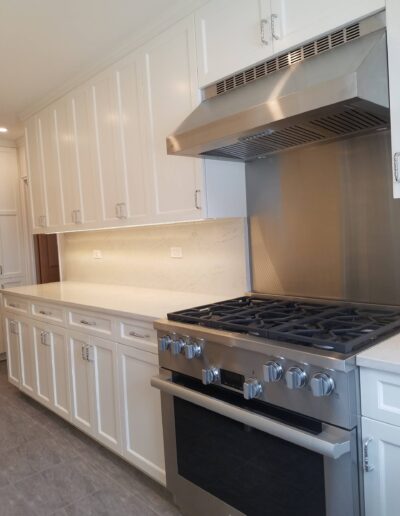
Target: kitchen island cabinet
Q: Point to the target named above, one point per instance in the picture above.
(87, 352)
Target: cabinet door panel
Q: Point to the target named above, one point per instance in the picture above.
(8, 180)
(109, 149)
(81, 384)
(295, 22)
(36, 188)
(60, 370)
(44, 387)
(106, 394)
(65, 128)
(171, 92)
(86, 151)
(229, 35)
(50, 167)
(141, 408)
(13, 351)
(10, 243)
(27, 360)
(381, 485)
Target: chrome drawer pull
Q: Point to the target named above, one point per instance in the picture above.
(87, 323)
(138, 335)
(366, 458)
(43, 312)
(396, 167)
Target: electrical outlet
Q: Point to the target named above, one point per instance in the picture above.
(97, 254)
(176, 252)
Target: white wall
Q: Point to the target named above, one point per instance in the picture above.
(214, 257)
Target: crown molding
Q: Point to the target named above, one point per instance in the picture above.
(166, 19)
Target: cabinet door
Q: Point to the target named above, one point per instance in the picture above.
(393, 42)
(82, 106)
(141, 411)
(109, 146)
(103, 362)
(11, 261)
(44, 381)
(36, 184)
(50, 167)
(81, 383)
(13, 350)
(8, 180)
(295, 22)
(61, 400)
(171, 95)
(231, 35)
(27, 359)
(381, 485)
(66, 143)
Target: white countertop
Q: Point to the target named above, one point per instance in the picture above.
(142, 303)
(384, 356)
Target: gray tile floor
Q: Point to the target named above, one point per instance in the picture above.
(47, 467)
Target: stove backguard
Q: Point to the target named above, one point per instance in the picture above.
(324, 224)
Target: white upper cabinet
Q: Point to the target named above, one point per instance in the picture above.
(171, 95)
(294, 22)
(393, 36)
(35, 177)
(231, 35)
(8, 180)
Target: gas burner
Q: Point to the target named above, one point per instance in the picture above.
(338, 327)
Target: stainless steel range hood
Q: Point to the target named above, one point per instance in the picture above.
(324, 90)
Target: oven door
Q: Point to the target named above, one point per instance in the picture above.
(223, 459)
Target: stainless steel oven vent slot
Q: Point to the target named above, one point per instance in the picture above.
(321, 129)
(339, 37)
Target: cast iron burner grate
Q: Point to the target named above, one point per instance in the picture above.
(338, 327)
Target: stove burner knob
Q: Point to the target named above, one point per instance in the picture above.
(193, 350)
(295, 378)
(322, 385)
(273, 372)
(177, 346)
(252, 388)
(210, 375)
(164, 343)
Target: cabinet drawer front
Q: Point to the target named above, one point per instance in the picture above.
(91, 321)
(15, 304)
(141, 334)
(380, 395)
(48, 313)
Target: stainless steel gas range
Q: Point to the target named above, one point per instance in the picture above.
(260, 405)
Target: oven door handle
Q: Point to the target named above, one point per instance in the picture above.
(332, 442)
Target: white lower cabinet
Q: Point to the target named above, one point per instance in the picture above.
(95, 401)
(99, 385)
(381, 483)
(141, 405)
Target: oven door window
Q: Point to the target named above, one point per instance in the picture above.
(257, 474)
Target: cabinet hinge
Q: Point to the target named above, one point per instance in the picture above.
(367, 466)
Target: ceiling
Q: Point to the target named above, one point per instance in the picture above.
(48, 44)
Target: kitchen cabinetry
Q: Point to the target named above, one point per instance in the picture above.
(231, 35)
(234, 35)
(380, 397)
(141, 405)
(393, 40)
(11, 330)
(27, 358)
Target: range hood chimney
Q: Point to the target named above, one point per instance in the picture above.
(334, 87)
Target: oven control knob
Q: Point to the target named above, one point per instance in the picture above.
(194, 349)
(272, 372)
(252, 388)
(322, 385)
(164, 343)
(210, 375)
(295, 378)
(177, 346)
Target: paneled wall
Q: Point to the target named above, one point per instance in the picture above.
(214, 257)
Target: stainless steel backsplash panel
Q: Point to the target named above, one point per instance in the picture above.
(323, 222)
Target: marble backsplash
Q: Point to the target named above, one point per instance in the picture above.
(214, 261)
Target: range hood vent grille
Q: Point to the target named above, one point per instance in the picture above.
(320, 129)
(339, 37)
